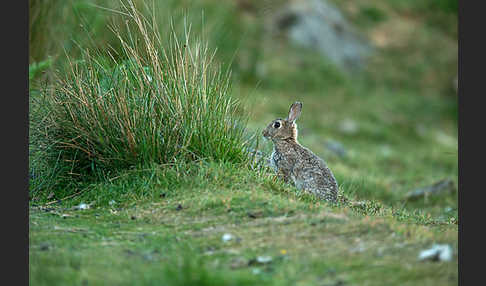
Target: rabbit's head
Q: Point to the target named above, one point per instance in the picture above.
(282, 129)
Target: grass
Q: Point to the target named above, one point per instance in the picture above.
(157, 106)
(159, 242)
(158, 217)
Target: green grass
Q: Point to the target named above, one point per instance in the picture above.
(157, 215)
(147, 240)
(160, 105)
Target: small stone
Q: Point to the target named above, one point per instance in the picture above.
(438, 252)
(260, 260)
(148, 257)
(264, 259)
(227, 237)
(441, 187)
(348, 126)
(82, 206)
(336, 147)
(445, 139)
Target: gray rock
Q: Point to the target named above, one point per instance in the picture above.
(440, 187)
(260, 260)
(348, 126)
(264, 259)
(438, 252)
(318, 25)
(82, 206)
(44, 246)
(227, 237)
(336, 147)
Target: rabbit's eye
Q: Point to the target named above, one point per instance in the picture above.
(276, 125)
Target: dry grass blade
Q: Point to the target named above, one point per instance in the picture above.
(151, 104)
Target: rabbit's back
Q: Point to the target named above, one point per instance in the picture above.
(305, 169)
(311, 173)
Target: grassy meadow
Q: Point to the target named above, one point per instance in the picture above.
(145, 142)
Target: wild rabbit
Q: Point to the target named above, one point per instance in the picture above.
(292, 161)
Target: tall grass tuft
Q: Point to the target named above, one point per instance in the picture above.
(151, 104)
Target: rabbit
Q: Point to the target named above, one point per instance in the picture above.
(293, 162)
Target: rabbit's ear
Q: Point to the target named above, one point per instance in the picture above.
(295, 110)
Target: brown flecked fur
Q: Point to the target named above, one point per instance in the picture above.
(295, 163)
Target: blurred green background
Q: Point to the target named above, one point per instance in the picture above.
(378, 83)
(378, 79)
